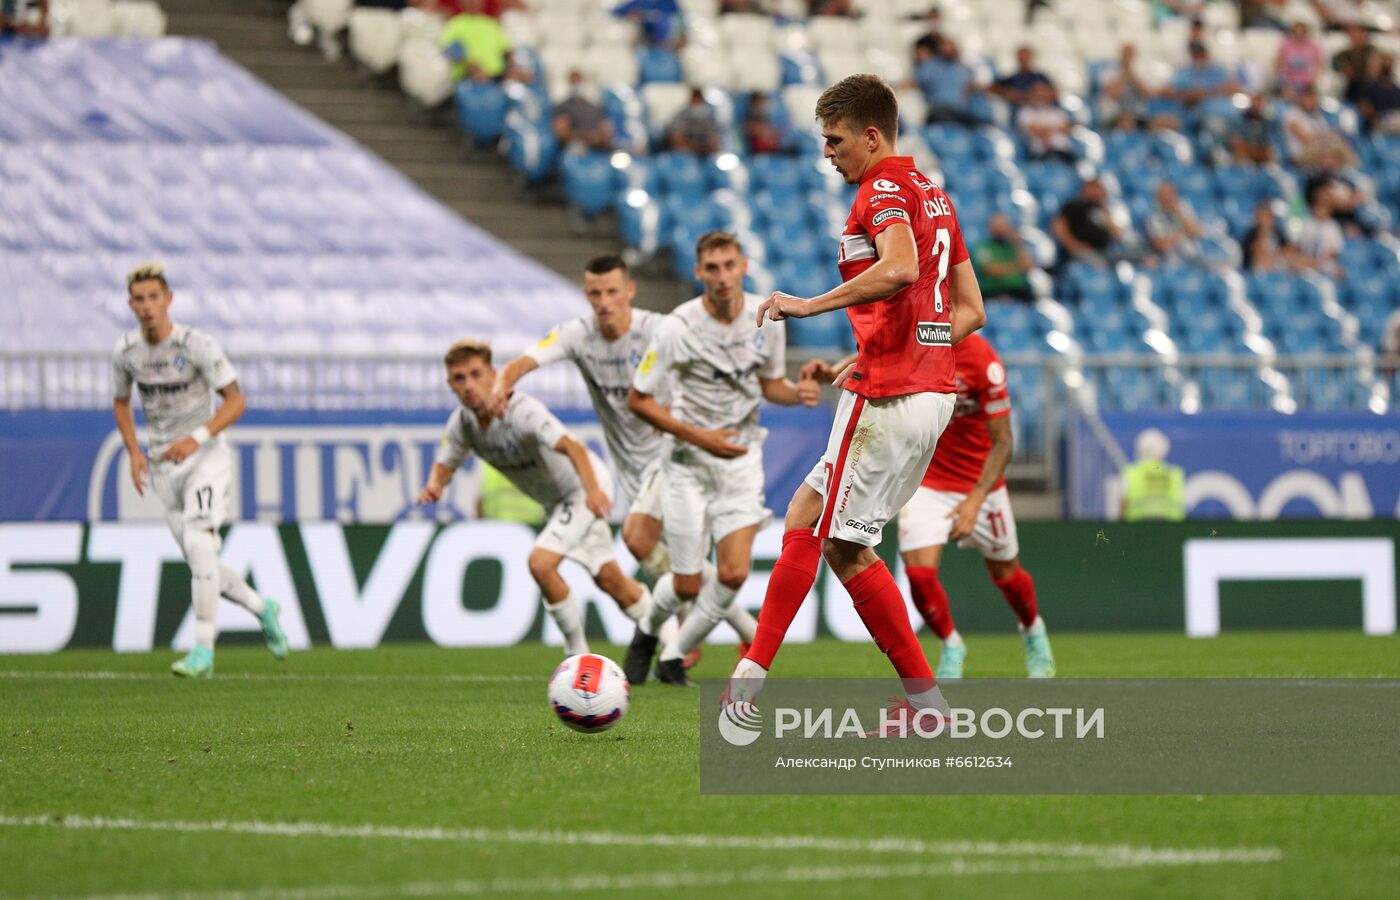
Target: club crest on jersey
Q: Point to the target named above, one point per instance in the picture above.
(934, 334)
(634, 358)
(759, 341)
(178, 363)
(884, 185)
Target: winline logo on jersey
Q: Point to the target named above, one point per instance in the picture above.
(1061, 736)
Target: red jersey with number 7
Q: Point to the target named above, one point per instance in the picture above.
(965, 443)
(904, 342)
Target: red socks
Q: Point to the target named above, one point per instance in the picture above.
(1019, 591)
(793, 575)
(881, 607)
(931, 600)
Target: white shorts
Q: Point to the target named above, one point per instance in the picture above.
(710, 496)
(648, 499)
(924, 522)
(575, 533)
(195, 492)
(877, 454)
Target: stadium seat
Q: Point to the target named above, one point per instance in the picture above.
(139, 19)
(657, 64)
(589, 181)
(481, 109)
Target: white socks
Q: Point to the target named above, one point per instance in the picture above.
(664, 603)
(202, 554)
(568, 616)
(711, 606)
(237, 590)
(742, 621)
(953, 640)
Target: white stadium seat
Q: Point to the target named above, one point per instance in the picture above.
(558, 61)
(836, 33)
(837, 64)
(328, 15)
(755, 69)
(425, 74)
(82, 18)
(663, 101)
(705, 66)
(375, 38)
(743, 29)
(139, 18)
(615, 33)
(610, 65)
(801, 103)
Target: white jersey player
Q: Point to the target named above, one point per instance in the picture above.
(178, 370)
(719, 369)
(531, 447)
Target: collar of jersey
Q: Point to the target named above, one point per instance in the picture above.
(889, 162)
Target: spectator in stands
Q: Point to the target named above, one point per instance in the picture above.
(1309, 136)
(1173, 231)
(695, 128)
(1086, 231)
(1002, 261)
(1252, 143)
(1378, 96)
(762, 130)
(751, 7)
(1320, 240)
(1298, 62)
(1045, 126)
(1124, 97)
(1353, 62)
(932, 38)
(1344, 198)
(1338, 14)
(1016, 87)
(1390, 344)
(24, 18)
(947, 84)
(579, 120)
(476, 43)
(1205, 90)
(1266, 246)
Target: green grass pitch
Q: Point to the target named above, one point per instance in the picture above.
(417, 771)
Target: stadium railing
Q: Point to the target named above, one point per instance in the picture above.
(1044, 389)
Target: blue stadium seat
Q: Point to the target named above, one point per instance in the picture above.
(675, 173)
(481, 110)
(589, 181)
(780, 175)
(658, 64)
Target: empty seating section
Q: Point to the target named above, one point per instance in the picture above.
(280, 234)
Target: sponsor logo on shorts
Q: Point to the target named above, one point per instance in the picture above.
(861, 526)
(889, 214)
(884, 184)
(934, 334)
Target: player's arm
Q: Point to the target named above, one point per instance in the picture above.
(126, 425)
(230, 411)
(964, 515)
(896, 267)
(506, 379)
(966, 311)
(718, 442)
(594, 498)
(785, 392)
(438, 480)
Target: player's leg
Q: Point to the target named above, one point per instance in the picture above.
(642, 529)
(188, 506)
(733, 553)
(683, 525)
(923, 531)
(995, 536)
(556, 539)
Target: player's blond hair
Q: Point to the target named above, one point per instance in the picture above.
(717, 240)
(147, 271)
(859, 101)
(464, 350)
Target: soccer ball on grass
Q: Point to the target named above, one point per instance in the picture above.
(589, 693)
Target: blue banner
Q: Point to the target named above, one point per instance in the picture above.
(1249, 465)
(301, 465)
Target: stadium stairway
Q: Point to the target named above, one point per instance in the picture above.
(433, 154)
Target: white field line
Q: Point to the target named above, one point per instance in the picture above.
(1099, 853)
(667, 880)
(21, 674)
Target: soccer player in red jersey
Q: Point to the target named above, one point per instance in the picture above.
(963, 498)
(910, 292)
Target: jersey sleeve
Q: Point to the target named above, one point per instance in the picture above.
(528, 416)
(775, 348)
(454, 448)
(209, 358)
(121, 375)
(657, 361)
(886, 203)
(562, 342)
(995, 395)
